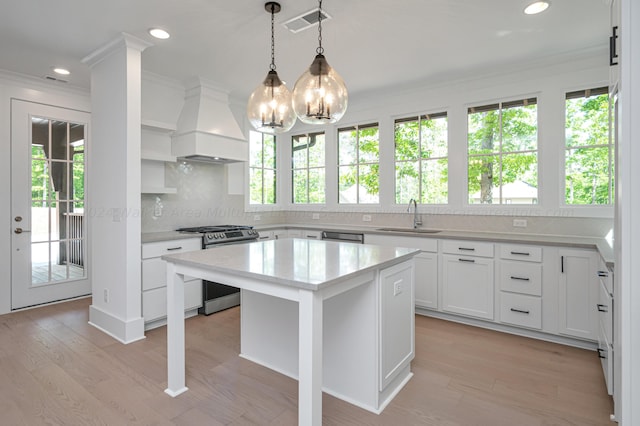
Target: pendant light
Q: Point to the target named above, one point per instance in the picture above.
(269, 108)
(320, 95)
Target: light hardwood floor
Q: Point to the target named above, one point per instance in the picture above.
(56, 369)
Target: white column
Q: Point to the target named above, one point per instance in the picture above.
(627, 268)
(175, 332)
(310, 359)
(113, 188)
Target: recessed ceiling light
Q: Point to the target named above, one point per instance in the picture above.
(536, 7)
(61, 71)
(159, 33)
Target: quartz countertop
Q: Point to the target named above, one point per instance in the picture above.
(603, 245)
(154, 237)
(301, 263)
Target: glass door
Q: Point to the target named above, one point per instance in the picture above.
(49, 241)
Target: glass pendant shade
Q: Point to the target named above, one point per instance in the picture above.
(269, 109)
(320, 95)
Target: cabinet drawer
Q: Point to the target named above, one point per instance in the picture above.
(154, 274)
(521, 310)
(154, 302)
(161, 248)
(605, 353)
(468, 248)
(521, 277)
(605, 312)
(606, 277)
(520, 252)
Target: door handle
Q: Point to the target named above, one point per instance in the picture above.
(20, 230)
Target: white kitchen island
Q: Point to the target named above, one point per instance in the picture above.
(337, 316)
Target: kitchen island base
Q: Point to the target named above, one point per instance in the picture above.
(353, 360)
(340, 315)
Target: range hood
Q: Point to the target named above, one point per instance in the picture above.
(207, 130)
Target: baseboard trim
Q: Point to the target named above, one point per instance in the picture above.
(124, 331)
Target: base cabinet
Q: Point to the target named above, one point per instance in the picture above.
(467, 286)
(578, 294)
(154, 280)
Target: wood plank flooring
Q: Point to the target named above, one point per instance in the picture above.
(55, 369)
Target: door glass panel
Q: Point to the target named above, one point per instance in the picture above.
(57, 204)
(59, 140)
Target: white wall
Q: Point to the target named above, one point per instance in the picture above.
(13, 86)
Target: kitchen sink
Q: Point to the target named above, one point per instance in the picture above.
(415, 230)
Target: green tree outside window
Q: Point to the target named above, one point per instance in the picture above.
(421, 159)
(502, 144)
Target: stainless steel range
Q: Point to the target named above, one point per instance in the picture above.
(216, 296)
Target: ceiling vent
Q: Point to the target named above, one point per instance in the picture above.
(304, 21)
(52, 78)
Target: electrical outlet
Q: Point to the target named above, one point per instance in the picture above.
(397, 288)
(366, 218)
(520, 223)
(257, 217)
(315, 216)
(106, 295)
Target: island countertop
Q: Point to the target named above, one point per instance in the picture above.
(301, 263)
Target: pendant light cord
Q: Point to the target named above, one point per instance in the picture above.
(272, 67)
(320, 49)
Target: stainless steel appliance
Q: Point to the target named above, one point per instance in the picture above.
(216, 296)
(351, 237)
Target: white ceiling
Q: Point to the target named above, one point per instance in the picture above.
(371, 43)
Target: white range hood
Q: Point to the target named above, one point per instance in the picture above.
(207, 130)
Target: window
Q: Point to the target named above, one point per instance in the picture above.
(421, 159)
(589, 153)
(308, 168)
(358, 164)
(262, 168)
(503, 153)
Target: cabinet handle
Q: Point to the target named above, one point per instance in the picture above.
(520, 311)
(600, 351)
(467, 260)
(603, 274)
(602, 308)
(562, 264)
(466, 249)
(173, 248)
(520, 278)
(612, 46)
(520, 253)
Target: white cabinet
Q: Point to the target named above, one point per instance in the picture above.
(425, 263)
(578, 293)
(154, 280)
(397, 321)
(606, 335)
(520, 285)
(467, 278)
(304, 233)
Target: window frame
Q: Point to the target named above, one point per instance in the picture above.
(293, 169)
(357, 164)
(262, 168)
(505, 203)
(610, 146)
(421, 160)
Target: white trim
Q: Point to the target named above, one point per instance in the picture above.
(124, 331)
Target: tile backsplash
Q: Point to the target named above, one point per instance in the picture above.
(202, 199)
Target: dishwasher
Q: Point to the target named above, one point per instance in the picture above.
(350, 237)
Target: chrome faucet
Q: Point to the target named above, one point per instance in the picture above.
(416, 220)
